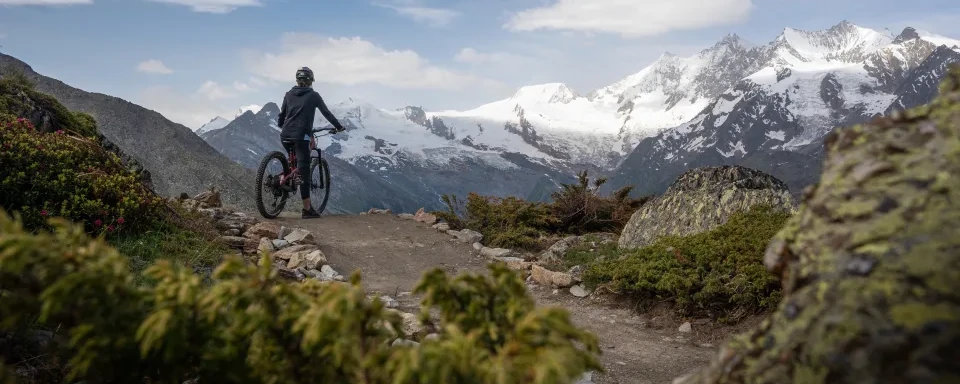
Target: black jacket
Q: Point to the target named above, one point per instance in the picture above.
(300, 105)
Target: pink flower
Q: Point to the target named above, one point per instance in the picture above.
(97, 223)
(120, 221)
(59, 131)
(43, 212)
(110, 228)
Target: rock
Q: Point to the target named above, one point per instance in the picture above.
(228, 223)
(209, 199)
(234, 241)
(265, 246)
(889, 194)
(296, 260)
(412, 327)
(495, 252)
(442, 227)
(404, 343)
(468, 236)
(406, 216)
(300, 236)
(284, 231)
(231, 232)
(288, 252)
(290, 274)
(579, 291)
(263, 229)
(280, 244)
(328, 273)
(431, 337)
(477, 246)
(576, 272)
(685, 328)
(314, 259)
(702, 199)
(378, 211)
(547, 277)
(515, 263)
(587, 378)
(424, 217)
(389, 302)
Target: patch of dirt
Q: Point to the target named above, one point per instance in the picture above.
(393, 253)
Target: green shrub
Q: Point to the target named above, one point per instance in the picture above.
(719, 272)
(18, 99)
(580, 209)
(64, 175)
(504, 222)
(248, 327)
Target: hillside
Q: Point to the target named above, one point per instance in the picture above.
(177, 159)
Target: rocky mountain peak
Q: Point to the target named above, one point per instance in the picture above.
(545, 93)
(270, 110)
(908, 34)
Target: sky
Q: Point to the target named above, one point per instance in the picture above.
(192, 60)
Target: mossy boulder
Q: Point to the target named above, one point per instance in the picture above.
(870, 266)
(702, 199)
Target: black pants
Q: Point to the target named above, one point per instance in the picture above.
(302, 150)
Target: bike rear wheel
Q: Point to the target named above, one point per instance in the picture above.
(271, 197)
(319, 183)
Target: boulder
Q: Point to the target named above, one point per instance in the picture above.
(288, 252)
(234, 241)
(495, 252)
(314, 259)
(265, 246)
(550, 278)
(579, 291)
(209, 199)
(425, 217)
(300, 236)
(468, 236)
(557, 250)
(280, 243)
(871, 263)
(263, 229)
(702, 199)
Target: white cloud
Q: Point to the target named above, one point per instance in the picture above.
(433, 16)
(154, 66)
(45, 2)
(191, 109)
(213, 91)
(631, 18)
(472, 56)
(212, 6)
(355, 61)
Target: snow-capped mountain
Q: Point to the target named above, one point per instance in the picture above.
(765, 106)
(775, 118)
(213, 125)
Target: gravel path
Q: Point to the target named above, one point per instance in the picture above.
(393, 253)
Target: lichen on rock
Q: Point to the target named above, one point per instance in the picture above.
(870, 265)
(702, 199)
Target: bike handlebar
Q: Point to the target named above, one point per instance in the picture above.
(318, 130)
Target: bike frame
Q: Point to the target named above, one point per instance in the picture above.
(292, 158)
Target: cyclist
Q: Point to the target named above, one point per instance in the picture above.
(300, 105)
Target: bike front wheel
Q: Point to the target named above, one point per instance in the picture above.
(319, 183)
(271, 196)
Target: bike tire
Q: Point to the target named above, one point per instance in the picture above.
(319, 168)
(261, 174)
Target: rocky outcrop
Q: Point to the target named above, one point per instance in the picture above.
(702, 199)
(870, 266)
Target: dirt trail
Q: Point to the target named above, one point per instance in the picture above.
(393, 253)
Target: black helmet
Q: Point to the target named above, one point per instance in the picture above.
(305, 74)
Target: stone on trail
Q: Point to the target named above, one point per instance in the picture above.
(515, 263)
(284, 231)
(442, 227)
(263, 229)
(389, 302)
(209, 199)
(329, 274)
(288, 252)
(280, 244)
(300, 236)
(702, 199)
(685, 328)
(406, 216)
(234, 241)
(547, 277)
(425, 217)
(266, 245)
(296, 260)
(477, 246)
(314, 259)
(468, 236)
(378, 211)
(495, 252)
(579, 291)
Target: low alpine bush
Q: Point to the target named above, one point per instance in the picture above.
(246, 326)
(718, 273)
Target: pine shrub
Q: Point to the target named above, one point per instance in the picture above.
(246, 326)
(504, 222)
(63, 174)
(579, 208)
(719, 272)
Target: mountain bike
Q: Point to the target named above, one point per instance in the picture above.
(277, 180)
